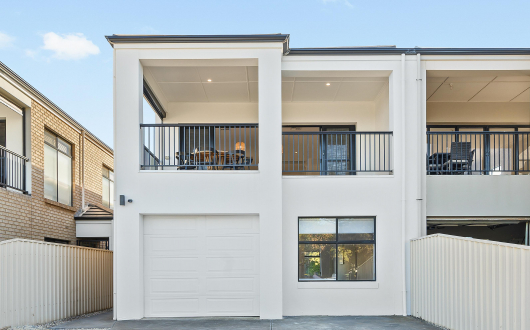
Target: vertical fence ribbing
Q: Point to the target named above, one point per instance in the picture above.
(463, 283)
(42, 282)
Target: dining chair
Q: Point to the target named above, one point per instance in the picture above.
(461, 158)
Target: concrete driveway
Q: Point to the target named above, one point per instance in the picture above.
(104, 321)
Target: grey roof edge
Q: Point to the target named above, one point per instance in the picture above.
(236, 38)
(284, 38)
(407, 51)
(40, 97)
(81, 214)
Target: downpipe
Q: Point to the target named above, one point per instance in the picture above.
(421, 139)
(403, 190)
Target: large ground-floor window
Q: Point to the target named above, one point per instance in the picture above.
(336, 249)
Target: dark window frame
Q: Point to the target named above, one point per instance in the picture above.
(84, 240)
(324, 144)
(56, 240)
(338, 242)
(3, 137)
(71, 156)
(110, 181)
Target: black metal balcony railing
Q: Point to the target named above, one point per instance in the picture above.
(336, 153)
(12, 170)
(199, 146)
(486, 153)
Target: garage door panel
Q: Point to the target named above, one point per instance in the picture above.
(166, 307)
(230, 264)
(231, 225)
(230, 243)
(206, 266)
(234, 285)
(230, 306)
(173, 285)
(166, 225)
(165, 265)
(168, 245)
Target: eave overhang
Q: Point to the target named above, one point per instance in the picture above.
(241, 38)
(406, 51)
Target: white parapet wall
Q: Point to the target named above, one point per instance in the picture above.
(463, 283)
(41, 282)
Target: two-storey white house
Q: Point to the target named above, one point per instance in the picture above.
(279, 181)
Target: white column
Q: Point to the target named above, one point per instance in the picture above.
(414, 164)
(270, 167)
(128, 298)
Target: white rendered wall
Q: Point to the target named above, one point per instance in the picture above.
(478, 195)
(361, 114)
(382, 106)
(94, 228)
(478, 112)
(367, 116)
(344, 196)
(13, 129)
(202, 112)
(379, 196)
(195, 192)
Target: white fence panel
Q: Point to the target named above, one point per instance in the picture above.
(463, 283)
(41, 282)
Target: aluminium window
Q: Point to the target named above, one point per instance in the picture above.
(336, 249)
(57, 169)
(107, 194)
(3, 132)
(56, 240)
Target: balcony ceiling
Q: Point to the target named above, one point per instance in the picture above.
(467, 86)
(191, 83)
(239, 84)
(331, 89)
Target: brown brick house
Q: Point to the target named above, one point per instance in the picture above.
(50, 168)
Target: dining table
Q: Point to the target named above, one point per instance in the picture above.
(218, 159)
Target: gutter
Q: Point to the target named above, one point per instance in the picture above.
(43, 99)
(406, 51)
(237, 38)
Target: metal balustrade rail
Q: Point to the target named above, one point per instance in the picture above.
(478, 153)
(337, 153)
(12, 170)
(199, 146)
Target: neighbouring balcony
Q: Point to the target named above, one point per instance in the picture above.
(337, 152)
(200, 146)
(478, 153)
(12, 170)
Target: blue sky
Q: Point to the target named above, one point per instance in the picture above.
(36, 36)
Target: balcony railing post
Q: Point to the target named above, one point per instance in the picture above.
(471, 152)
(12, 170)
(199, 146)
(336, 152)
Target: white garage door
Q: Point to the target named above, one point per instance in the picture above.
(201, 266)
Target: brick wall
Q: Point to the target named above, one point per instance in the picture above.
(34, 217)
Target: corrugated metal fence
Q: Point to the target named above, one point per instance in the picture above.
(42, 282)
(463, 283)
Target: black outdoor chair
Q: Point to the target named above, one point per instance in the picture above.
(184, 163)
(461, 158)
(436, 162)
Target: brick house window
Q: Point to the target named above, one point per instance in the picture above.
(108, 188)
(56, 240)
(2, 132)
(57, 169)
